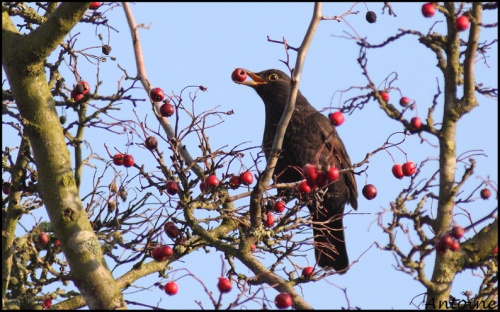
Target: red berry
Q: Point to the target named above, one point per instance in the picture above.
(57, 243)
(172, 187)
(416, 122)
(202, 186)
(269, 220)
(157, 94)
(47, 302)
(212, 181)
(428, 9)
(76, 96)
(246, 178)
(94, 5)
(369, 191)
(304, 187)
(455, 245)
(118, 159)
(171, 288)
(307, 271)
(158, 254)
(485, 193)
(167, 252)
(457, 232)
(43, 238)
(151, 143)
(397, 171)
(253, 248)
(171, 230)
(409, 168)
(462, 23)
(336, 118)
(321, 180)
(234, 182)
(167, 110)
(495, 250)
(82, 87)
(333, 174)
(6, 186)
(279, 206)
(310, 172)
(444, 243)
(384, 95)
(239, 75)
(283, 301)
(404, 101)
(224, 285)
(128, 160)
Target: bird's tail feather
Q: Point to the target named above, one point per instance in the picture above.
(329, 243)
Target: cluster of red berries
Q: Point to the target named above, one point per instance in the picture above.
(81, 88)
(245, 178)
(450, 241)
(126, 160)
(405, 170)
(461, 23)
(317, 177)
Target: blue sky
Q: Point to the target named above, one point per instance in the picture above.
(202, 43)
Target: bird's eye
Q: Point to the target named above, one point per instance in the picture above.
(273, 77)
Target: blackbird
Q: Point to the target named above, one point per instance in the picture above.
(310, 138)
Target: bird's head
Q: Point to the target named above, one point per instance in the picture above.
(272, 85)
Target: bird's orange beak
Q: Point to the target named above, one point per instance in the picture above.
(256, 80)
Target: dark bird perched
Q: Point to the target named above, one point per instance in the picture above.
(309, 139)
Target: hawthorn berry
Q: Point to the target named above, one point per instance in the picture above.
(253, 248)
(6, 186)
(172, 187)
(47, 302)
(94, 5)
(384, 95)
(416, 123)
(269, 220)
(212, 181)
(167, 109)
(397, 171)
(118, 159)
(369, 191)
(224, 285)
(106, 49)
(371, 17)
(128, 160)
(151, 143)
(43, 238)
(404, 101)
(239, 75)
(246, 178)
(157, 94)
(279, 206)
(409, 168)
(307, 271)
(428, 9)
(336, 118)
(304, 187)
(283, 301)
(455, 245)
(310, 172)
(171, 288)
(171, 230)
(321, 180)
(333, 174)
(457, 232)
(76, 96)
(485, 193)
(462, 23)
(234, 181)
